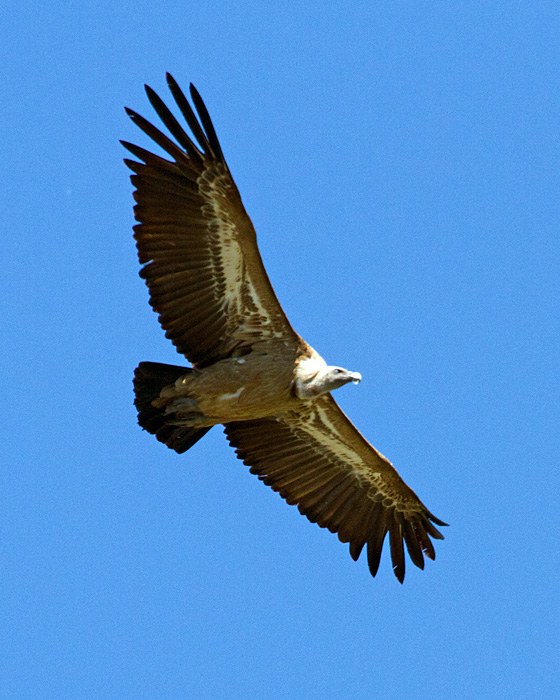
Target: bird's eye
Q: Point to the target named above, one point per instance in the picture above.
(338, 371)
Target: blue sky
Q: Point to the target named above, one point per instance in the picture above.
(400, 162)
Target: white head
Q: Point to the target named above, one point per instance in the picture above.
(314, 377)
(333, 377)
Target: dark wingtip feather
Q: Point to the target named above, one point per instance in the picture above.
(430, 553)
(437, 521)
(131, 147)
(373, 557)
(171, 123)
(413, 544)
(432, 531)
(187, 111)
(206, 122)
(375, 545)
(356, 549)
(397, 551)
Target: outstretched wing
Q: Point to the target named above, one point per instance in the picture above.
(196, 241)
(316, 459)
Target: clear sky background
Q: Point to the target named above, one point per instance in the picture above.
(400, 161)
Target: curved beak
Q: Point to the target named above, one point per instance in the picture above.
(355, 377)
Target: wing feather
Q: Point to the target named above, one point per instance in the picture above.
(196, 242)
(317, 460)
(375, 530)
(397, 549)
(413, 544)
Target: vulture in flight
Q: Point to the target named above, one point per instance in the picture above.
(251, 371)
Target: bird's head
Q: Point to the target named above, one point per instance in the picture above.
(314, 377)
(335, 377)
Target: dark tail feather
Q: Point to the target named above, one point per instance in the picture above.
(149, 380)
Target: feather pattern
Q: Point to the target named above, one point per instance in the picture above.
(316, 459)
(196, 242)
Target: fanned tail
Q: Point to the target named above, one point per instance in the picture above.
(149, 379)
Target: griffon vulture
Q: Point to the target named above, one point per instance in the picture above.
(251, 372)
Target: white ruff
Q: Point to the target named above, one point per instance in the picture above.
(309, 367)
(306, 373)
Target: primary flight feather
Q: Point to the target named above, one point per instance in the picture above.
(251, 372)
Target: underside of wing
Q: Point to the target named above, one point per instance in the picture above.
(316, 459)
(196, 242)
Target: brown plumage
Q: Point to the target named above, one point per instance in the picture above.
(250, 370)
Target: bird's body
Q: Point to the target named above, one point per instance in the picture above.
(256, 385)
(251, 372)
